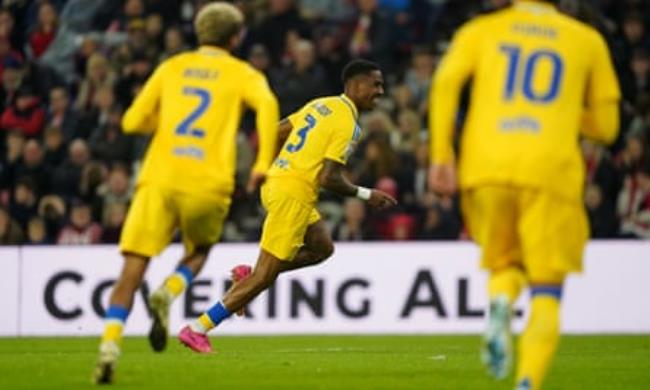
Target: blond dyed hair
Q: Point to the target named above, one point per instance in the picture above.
(216, 24)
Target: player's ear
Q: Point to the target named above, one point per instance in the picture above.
(235, 40)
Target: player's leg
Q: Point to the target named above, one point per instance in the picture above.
(173, 286)
(264, 273)
(490, 215)
(318, 247)
(118, 310)
(201, 222)
(283, 235)
(538, 343)
(554, 232)
(147, 230)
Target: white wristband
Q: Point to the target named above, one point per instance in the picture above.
(363, 193)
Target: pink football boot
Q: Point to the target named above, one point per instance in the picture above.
(197, 342)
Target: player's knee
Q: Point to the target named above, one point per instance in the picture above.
(202, 250)
(326, 250)
(264, 276)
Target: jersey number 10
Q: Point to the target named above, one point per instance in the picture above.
(518, 82)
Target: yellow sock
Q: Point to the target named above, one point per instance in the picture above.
(539, 341)
(507, 282)
(176, 283)
(114, 321)
(205, 322)
(113, 332)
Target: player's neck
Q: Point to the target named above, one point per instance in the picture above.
(212, 50)
(535, 3)
(351, 103)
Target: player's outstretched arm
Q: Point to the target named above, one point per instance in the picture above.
(142, 115)
(331, 178)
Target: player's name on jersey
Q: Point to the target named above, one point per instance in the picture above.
(202, 74)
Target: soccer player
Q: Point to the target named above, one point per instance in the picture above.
(540, 81)
(192, 105)
(321, 137)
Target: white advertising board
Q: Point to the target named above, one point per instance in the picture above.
(9, 290)
(398, 288)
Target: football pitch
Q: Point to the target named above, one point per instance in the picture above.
(317, 362)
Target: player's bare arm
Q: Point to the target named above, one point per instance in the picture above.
(284, 130)
(332, 178)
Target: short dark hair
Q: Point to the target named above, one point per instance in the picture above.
(357, 67)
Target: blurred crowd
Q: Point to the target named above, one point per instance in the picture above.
(69, 69)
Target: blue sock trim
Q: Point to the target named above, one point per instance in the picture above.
(117, 312)
(552, 290)
(186, 272)
(218, 313)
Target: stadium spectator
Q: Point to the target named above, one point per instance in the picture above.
(301, 81)
(174, 43)
(353, 227)
(55, 147)
(372, 35)
(33, 166)
(108, 143)
(24, 203)
(80, 230)
(602, 217)
(418, 77)
(133, 77)
(36, 232)
(66, 177)
(98, 75)
(61, 114)
(116, 190)
(332, 56)
(25, 113)
(45, 31)
(272, 32)
(634, 205)
(407, 133)
(116, 214)
(9, 31)
(10, 231)
(104, 102)
(131, 10)
(8, 56)
(52, 209)
(14, 146)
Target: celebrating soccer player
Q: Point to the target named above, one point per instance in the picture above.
(319, 139)
(540, 80)
(192, 105)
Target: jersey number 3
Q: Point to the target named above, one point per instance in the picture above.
(515, 81)
(186, 125)
(302, 134)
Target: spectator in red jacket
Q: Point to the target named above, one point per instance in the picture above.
(45, 31)
(25, 114)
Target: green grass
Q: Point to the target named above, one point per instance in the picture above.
(317, 362)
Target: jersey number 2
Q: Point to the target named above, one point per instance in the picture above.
(515, 81)
(186, 126)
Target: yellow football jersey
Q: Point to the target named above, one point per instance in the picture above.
(324, 128)
(193, 103)
(533, 71)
